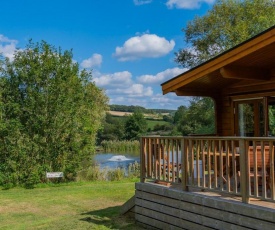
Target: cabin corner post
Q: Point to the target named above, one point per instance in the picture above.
(244, 171)
(184, 159)
(142, 159)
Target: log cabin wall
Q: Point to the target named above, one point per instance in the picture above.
(224, 117)
(244, 72)
(224, 104)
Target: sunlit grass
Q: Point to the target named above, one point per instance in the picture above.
(89, 205)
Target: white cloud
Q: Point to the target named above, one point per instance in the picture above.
(147, 45)
(169, 101)
(122, 88)
(155, 101)
(187, 4)
(142, 2)
(160, 77)
(136, 90)
(94, 60)
(119, 79)
(7, 46)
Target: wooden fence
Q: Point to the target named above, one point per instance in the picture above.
(234, 165)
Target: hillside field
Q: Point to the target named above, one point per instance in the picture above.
(158, 116)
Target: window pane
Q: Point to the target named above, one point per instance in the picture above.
(261, 117)
(271, 118)
(246, 119)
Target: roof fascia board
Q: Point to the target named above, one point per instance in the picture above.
(222, 60)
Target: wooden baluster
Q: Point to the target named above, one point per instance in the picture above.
(272, 171)
(184, 164)
(244, 168)
(142, 157)
(209, 163)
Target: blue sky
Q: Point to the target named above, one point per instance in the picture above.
(128, 44)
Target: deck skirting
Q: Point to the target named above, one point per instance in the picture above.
(161, 207)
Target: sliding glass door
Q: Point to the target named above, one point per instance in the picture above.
(250, 118)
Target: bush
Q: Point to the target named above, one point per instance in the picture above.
(134, 170)
(92, 173)
(115, 174)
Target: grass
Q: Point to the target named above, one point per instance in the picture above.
(151, 123)
(90, 205)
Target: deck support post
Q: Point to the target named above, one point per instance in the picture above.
(142, 160)
(244, 171)
(184, 168)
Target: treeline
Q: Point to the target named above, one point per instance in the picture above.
(128, 128)
(134, 108)
(197, 118)
(50, 114)
(120, 146)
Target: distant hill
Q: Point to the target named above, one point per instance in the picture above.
(133, 108)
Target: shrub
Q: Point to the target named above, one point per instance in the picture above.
(134, 170)
(115, 174)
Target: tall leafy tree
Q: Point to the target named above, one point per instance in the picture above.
(112, 129)
(198, 118)
(180, 113)
(50, 113)
(227, 24)
(135, 126)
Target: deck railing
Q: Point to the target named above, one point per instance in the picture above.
(234, 165)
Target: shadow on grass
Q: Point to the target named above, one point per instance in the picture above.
(110, 217)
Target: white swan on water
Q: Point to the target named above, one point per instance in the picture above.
(119, 158)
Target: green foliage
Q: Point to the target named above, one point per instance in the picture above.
(227, 24)
(112, 129)
(127, 108)
(91, 173)
(50, 114)
(168, 118)
(135, 108)
(152, 123)
(164, 127)
(180, 113)
(94, 173)
(271, 117)
(135, 126)
(134, 170)
(121, 146)
(198, 118)
(116, 174)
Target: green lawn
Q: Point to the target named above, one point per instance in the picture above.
(151, 123)
(89, 205)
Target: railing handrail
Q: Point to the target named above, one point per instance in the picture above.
(154, 148)
(211, 137)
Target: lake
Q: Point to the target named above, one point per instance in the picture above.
(116, 160)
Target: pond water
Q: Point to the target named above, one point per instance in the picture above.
(116, 160)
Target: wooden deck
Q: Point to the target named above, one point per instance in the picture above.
(161, 207)
(206, 183)
(230, 165)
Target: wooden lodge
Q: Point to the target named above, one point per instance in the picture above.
(225, 180)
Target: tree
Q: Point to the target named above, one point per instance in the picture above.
(50, 114)
(135, 126)
(227, 24)
(112, 129)
(180, 113)
(198, 118)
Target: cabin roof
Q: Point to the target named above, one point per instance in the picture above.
(251, 62)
